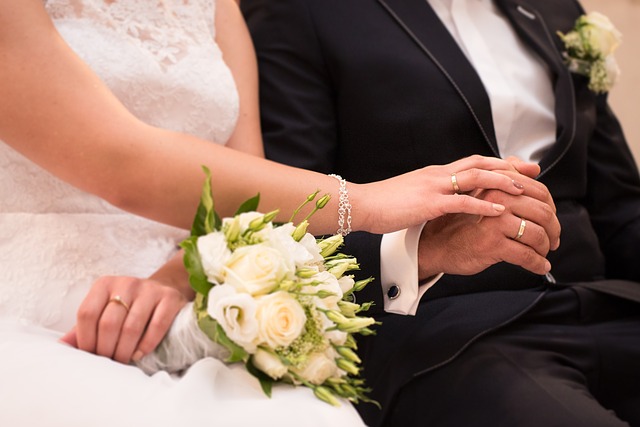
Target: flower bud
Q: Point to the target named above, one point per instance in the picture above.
(335, 317)
(348, 366)
(257, 224)
(339, 267)
(365, 306)
(306, 273)
(348, 354)
(349, 309)
(322, 202)
(233, 232)
(325, 394)
(351, 342)
(357, 324)
(300, 230)
(287, 285)
(360, 284)
(312, 196)
(329, 245)
(325, 294)
(349, 390)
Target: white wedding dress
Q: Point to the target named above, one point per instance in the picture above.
(160, 58)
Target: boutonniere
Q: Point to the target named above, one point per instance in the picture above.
(589, 50)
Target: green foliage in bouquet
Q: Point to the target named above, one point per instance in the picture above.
(278, 299)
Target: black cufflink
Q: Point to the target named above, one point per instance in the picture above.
(393, 292)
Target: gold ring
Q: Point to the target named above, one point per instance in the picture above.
(118, 299)
(523, 225)
(454, 183)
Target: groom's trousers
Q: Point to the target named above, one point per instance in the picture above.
(573, 360)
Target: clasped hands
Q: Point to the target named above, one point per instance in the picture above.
(522, 235)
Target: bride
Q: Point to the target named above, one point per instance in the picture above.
(108, 110)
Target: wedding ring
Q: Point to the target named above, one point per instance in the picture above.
(454, 183)
(118, 299)
(523, 225)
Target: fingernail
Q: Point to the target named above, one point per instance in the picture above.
(498, 208)
(137, 356)
(517, 185)
(547, 267)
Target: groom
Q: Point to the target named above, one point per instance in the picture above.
(372, 88)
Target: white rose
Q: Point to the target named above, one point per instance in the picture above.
(214, 253)
(310, 242)
(603, 37)
(297, 253)
(317, 369)
(335, 336)
(244, 219)
(326, 282)
(346, 283)
(269, 363)
(281, 319)
(256, 269)
(613, 70)
(236, 314)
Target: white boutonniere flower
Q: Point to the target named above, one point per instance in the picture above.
(589, 50)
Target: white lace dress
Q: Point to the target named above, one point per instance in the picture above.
(160, 59)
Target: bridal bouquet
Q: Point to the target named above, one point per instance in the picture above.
(270, 296)
(589, 51)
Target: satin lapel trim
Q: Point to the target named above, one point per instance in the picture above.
(532, 28)
(420, 22)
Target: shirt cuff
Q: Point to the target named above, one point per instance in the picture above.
(399, 271)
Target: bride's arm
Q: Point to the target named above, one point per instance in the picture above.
(58, 113)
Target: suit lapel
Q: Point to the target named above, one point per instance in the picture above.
(532, 28)
(424, 27)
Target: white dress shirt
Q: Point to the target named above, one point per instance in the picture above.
(522, 104)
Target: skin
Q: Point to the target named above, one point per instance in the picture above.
(58, 113)
(468, 244)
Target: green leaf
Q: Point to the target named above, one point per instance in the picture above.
(200, 305)
(266, 382)
(250, 205)
(197, 278)
(206, 219)
(215, 332)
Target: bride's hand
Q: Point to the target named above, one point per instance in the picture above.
(431, 192)
(124, 318)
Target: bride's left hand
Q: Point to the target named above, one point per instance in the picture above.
(125, 318)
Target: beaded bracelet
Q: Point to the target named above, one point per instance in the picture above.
(344, 207)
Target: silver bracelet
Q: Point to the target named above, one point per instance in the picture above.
(344, 207)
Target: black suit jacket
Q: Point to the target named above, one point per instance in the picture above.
(373, 88)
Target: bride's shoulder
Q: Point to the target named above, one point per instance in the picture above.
(226, 7)
(228, 18)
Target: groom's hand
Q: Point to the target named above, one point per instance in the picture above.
(465, 244)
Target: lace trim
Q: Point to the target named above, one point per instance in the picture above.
(152, 25)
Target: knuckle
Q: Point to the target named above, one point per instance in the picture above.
(464, 202)
(528, 257)
(541, 241)
(474, 174)
(549, 215)
(476, 158)
(121, 358)
(494, 196)
(133, 326)
(86, 315)
(109, 325)
(161, 324)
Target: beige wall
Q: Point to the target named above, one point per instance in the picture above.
(625, 96)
